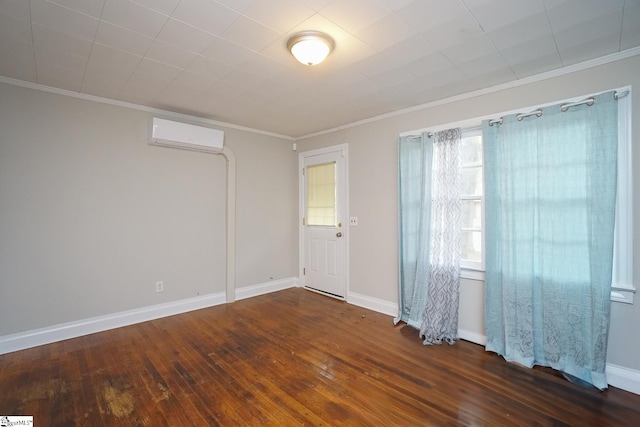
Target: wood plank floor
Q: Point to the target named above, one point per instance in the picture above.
(284, 359)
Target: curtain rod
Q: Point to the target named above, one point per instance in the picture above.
(564, 107)
(429, 135)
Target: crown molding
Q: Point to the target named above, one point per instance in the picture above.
(115, 102)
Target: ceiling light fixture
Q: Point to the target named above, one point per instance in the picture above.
(310, 47)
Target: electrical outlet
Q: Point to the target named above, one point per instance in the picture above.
(353, 221)
(159, 286)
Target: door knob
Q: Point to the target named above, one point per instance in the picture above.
(338, 234)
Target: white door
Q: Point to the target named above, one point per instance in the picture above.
(324, 239)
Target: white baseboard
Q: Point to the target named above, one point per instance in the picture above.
(64, 331)
(473, 337)
(623, 378)
(617, 376)
(375, 304)
(265, 288)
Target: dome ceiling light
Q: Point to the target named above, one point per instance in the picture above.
(310, 47)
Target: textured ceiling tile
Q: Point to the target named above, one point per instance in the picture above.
(60, 59)
(537, 65)
(429, 64)
(542, 47)
(575, 12)
(393, 77)
(208, 67)
(88, 7)
(17, 65)
(453, 32)
(112, 62)
(469, 49)
(166, 7)
(185, 36)
(423, 15)
(520, 32)
(63, 20)
(133, 17)
(101, 82)
(396, 4)
(226, 52)
(316, 5)
(207, 15)
(280, 15)
(50, 74)
(250, 34)
(47, 39)
(590, 49)
(483, 65)
(631, 26)
(155, 71)
(15, 29)
(263, 66)
(239, 6)
(354, 15)
(385, 32)
(607, 27)
(499, 13)
(122, 39)
(243, 78)
(16, 8)
(170, 55)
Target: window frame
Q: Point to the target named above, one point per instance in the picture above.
(468, 268)
(622, 285)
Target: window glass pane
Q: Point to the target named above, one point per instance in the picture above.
(471, 181)
(471, 150)
(321, 194)
(471, 244)
(471, 214)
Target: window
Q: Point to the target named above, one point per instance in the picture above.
(472, 211)
(321, 195)
(622, 283)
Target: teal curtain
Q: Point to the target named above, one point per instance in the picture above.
(550, 192)
(415, 156)
(429, 212)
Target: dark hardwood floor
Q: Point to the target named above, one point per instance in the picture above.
(289, 358)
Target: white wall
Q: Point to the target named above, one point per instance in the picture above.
(91, 216)
(373, 192)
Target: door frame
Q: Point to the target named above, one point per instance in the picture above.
(344, 149)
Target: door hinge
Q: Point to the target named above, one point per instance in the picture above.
(302, 171)
(304, 221)
(304, 271)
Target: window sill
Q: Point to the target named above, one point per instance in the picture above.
(624, 295)
(618, 294)
(469, 273)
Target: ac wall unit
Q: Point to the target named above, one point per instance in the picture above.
(168, 133)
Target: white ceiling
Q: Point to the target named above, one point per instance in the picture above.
(227, 60)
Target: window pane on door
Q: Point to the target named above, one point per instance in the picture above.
(321, 194)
